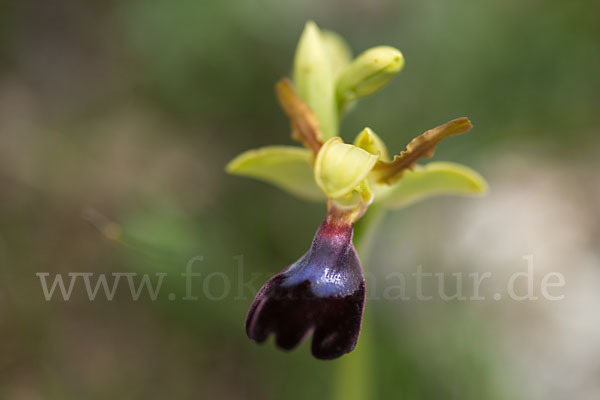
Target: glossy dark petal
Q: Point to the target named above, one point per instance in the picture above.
(323, 292)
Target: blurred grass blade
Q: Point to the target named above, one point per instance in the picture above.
(436, 178)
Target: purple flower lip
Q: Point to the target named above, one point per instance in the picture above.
(323, 292)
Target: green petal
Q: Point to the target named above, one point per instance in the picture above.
(287, 167)
(372, 143)
(314, 80)
(340, 167)
(337, 49)
(436, 178)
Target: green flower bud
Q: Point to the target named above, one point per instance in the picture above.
(368, 73)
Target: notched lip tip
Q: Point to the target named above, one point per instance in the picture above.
(317, 354)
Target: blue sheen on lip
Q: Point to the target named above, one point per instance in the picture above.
(331, 265)
(323, 293)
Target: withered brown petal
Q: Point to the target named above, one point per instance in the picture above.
(304, 122)
(423, 146)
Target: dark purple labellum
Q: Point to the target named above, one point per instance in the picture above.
(322, 292)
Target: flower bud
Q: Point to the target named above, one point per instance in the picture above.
(368, 73)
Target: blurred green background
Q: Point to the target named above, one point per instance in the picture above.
(129, 110)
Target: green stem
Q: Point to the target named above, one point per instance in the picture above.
(353, 378)
(364, 231)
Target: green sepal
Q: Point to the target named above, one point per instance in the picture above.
(287, 167)
(338, 50)
(314, 78)
(436, 178)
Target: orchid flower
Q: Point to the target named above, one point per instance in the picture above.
(324, 291)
